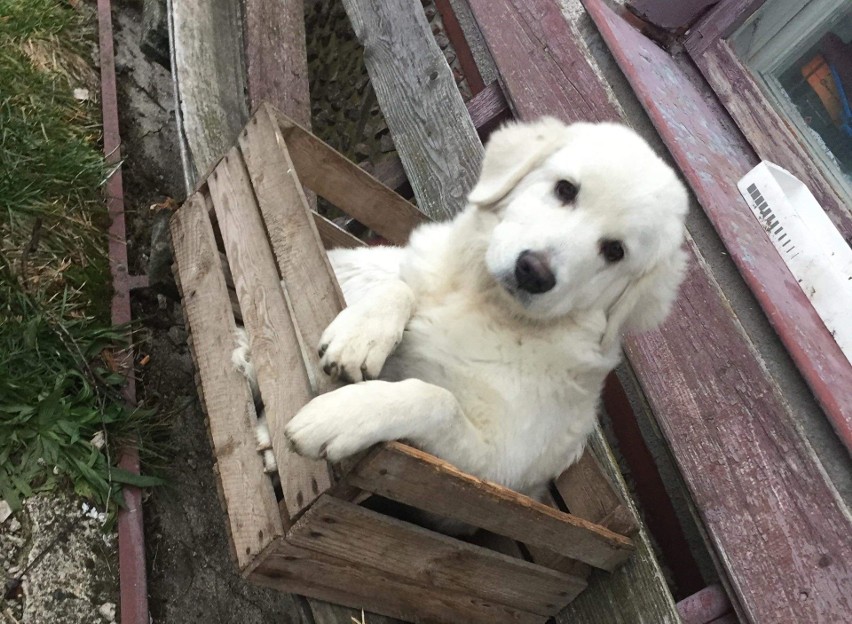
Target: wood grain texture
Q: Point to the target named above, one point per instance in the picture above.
(712, 157)
(775, 521)
(415, 478)
(455, 34)
(533, 44)
(347, 186)
(672, 16)
(253, 518)
(334, 236)
(588, 493)
(309, 282)
(428, 559)
(488, 109)
(275, 57)
(275, 345)
(430, 125)
(315, 574)
(210, 76)
(771, 136)
(725, 17)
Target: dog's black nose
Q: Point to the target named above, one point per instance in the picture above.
(533, 273)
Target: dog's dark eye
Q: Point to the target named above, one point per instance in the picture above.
(612, 250)
(566, 191)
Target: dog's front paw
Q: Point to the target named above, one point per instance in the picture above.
(336, 425)
(357, 343)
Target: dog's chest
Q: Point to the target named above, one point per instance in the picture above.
(524, 392)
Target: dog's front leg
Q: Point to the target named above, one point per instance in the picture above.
(356, 344)
(350, 419)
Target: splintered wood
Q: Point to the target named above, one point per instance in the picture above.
(248, 249)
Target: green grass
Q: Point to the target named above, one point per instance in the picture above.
(59, 389)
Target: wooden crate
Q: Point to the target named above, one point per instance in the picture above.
(247, 228)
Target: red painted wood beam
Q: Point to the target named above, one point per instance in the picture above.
(133, 582)
(706, 606)
(456, 36)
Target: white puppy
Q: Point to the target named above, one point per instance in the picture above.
(487, 339)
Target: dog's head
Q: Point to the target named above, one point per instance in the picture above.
(581, 218)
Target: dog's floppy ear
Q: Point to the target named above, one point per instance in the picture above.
(646, 301)
(512, 152)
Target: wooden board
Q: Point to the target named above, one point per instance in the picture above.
(310, 285)
(275, 344)
(722, 20)
(428, 559)
(588, 494)
(314, 574)
(532, 44)
(252, 512)
(415, 478)
(488, 109)
(713, 157)
(429, 123)
(347, 186)
(209, 76)
(275, 57)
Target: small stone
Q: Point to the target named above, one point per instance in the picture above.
(5, 511)
(442, 41)
(107, 611)
(177, 335)
(14, 525)
(191, 463)
(82, 95)
(386, 143)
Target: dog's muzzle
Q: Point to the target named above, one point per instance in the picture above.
(533, 274)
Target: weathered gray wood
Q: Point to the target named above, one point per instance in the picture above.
(309, 281)
(276, 62)
(275, 345)
(427, 117)
(309, 573)
(253, 518)
(347, 186)
(209, 75)
(352, 533)
(415, 478)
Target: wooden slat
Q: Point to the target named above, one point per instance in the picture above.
(210, 76)
(725, 17)
(712, 156)
(275, 57)
(275, 348)
(246, 491)
(589, 494)
(488, 109)
(532, 44)
(430, 125)
(554, 561)
(347, 186)
(315, 574)
(352, 533)
(314, 294)
(328, 613)
(410, 476)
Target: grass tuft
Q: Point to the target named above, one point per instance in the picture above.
(60, 405)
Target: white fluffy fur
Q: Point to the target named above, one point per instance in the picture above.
(450, 355)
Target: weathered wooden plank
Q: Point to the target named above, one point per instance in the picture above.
(455, 34)
(410, 476)
(431, 128)
(711, 157)
(347, 186)
(533, 44)
(352, 533)
(276, 61)
(313, 292)
(488, 109)
(672, 16)
(276, 352)
(328, 613)
(246, 491)
(315, 574)
(589, 494)
(722, 20)
(767, 131)
(209, 76)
